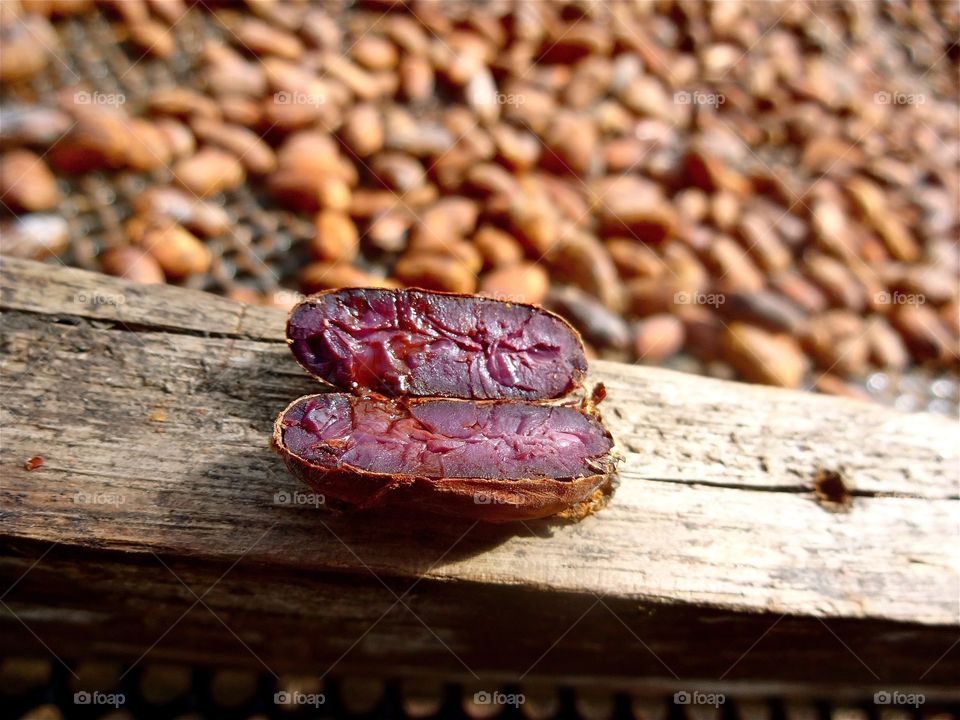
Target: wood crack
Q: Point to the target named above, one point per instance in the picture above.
(791, 489)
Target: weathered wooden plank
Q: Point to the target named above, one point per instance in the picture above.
(153, 413)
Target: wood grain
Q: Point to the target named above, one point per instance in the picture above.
(152, 407)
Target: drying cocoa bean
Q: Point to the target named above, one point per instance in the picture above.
(177, 250)
(435, 272)
(26, 182)
(209, 172)
(524, 282)
(763, 357)
(657, 337)
(35, 237)
(181, 207)
(257, 157)
(133, 264)
(317, 277)
(598, 325)
(336, 239)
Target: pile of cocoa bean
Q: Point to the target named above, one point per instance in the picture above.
(760, 190)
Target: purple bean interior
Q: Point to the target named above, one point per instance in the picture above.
(424, 344)
(445, 438)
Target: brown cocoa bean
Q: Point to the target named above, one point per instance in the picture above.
(837, 342)
(26, 182)
(133, 264)
(760, 240)
(209, 172)
(765, 309)
(35, 237)
(710, 173)
(524, 282)
(99, 139)
(336, 238)
(365, 203)
(398, 172)
(731, 268)
(435, 272)
(596, 324)
(182, 102)
(631, 206)
(763, 357)
(570, 144)
(832, 385)
(535, 224)
(362, 130)
(416, 78)
(875, 209)
(170, 10)
(574, 42)
(387, 231)
(887, 350)
(581, 260)
(31, 125)
(801, 291)
(448, 219)
(837, 282)
(375, 52)
(651, 295)
(488, 179)
(327, 276)
(153, 38)
(925, 335)
(25, 42)
(684, 270)
(461, 250)
(703, 332)
(634, 259)
(146, 147)
(240, 110)
(657, 337)
(177, 137)
(934, 284)
(517, 149)
(257, 157)
(177, 250)
(497, 248)
(693, 204)
(263, 38)
(360, 82)
(181, 207)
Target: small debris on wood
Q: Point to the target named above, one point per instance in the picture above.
(832, 490)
